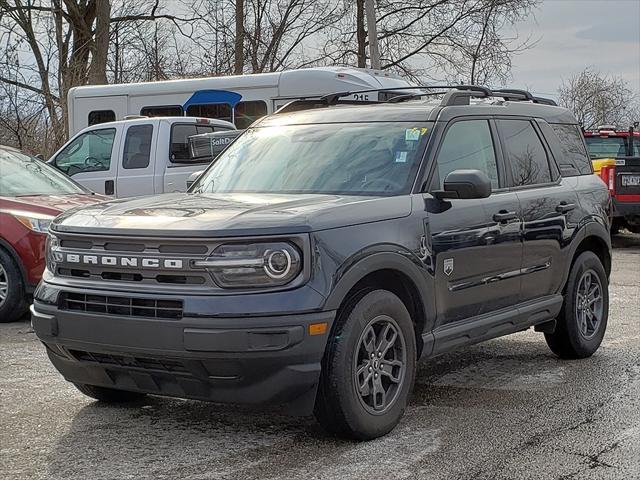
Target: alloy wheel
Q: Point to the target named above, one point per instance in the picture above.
(589, 307)
(4, 285)
(379, 364)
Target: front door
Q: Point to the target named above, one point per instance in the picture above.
(476, 243)
(91, 159)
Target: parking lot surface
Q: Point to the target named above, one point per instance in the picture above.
(504, 409)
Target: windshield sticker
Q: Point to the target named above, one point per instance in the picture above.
(401, 157)
(412, 134)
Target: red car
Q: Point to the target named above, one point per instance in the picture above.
(31, 194)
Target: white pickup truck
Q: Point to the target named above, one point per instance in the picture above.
(141, 156)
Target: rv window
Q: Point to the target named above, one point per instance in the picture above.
(221, 111)
(248, 112)
(101, 116)
(162, 111)
(137, 147)
(180, 134)
(88, 152)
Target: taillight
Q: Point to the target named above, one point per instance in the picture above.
(608, 176)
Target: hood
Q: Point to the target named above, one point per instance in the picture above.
(232, 214)
(49, 204)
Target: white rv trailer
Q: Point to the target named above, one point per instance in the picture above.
(238, 99)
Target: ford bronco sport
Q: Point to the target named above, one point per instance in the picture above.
(330, 247)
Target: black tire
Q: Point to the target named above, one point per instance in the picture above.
(109, 395)
(633, 228)
(570, 340)
(14, 304)
(615, 227)
(339, 408)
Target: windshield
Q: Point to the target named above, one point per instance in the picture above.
(22, 175)
(339, 158)
(608, 147)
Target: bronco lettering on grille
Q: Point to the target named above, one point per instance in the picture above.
(168, 263)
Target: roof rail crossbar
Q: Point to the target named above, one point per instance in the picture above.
(461, 94)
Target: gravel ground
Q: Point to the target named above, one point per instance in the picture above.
(505, 409)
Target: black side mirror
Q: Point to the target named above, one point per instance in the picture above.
(465, 184)
(39, 156)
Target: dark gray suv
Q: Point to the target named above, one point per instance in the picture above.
(328, 249)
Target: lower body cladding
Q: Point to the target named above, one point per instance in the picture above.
(255, 360)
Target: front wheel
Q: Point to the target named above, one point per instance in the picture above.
(582, 321)
(368, 369)
(13, 303)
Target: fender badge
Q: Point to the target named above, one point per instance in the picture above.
(448, 266)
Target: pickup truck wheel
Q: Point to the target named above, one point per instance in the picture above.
(582, 321)
(108, 395)
(12, 294)
(368, 369)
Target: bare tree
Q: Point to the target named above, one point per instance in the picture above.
(460, 39)
(239, 40)
(597, 99)
(65, 43)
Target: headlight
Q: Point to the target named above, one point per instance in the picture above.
(36, 222)
(267, 264)
(52, 256)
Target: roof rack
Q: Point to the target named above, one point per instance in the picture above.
(456, 95)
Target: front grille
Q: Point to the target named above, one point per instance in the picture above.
(125, 306)
(90, 251)
(143, 363)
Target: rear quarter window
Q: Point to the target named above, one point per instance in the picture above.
(575, 159)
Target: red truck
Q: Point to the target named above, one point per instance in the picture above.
(616, 159)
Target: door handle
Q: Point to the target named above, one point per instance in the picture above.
(109, 187)
(565, 207)
(504, 216)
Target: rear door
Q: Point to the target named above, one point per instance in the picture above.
(549, 206)
(475, 242)
(91, 158)
(137, 160)
(627, 182)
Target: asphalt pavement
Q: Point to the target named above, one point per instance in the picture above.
(504, 409)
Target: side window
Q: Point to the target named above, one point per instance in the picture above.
(162, 111)
(467, 145)
(89, 152)
(248, 112)
(525, 153)
(180, 134)
(221, 111)
(573, 149)
(137, 147)
(101, 116)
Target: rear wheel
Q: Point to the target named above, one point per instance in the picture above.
(13, 303)
(369, 368)
(108, 395)
(582, 321)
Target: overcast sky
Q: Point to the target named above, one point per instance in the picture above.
(574, 34)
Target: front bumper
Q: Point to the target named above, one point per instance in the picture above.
(253, 360)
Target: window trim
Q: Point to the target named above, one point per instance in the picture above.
(266, 108)
(163, 106)
(510, 182)
(435, 145)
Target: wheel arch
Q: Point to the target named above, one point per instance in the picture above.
(4, 245)
(395, 273)
(595, 239)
